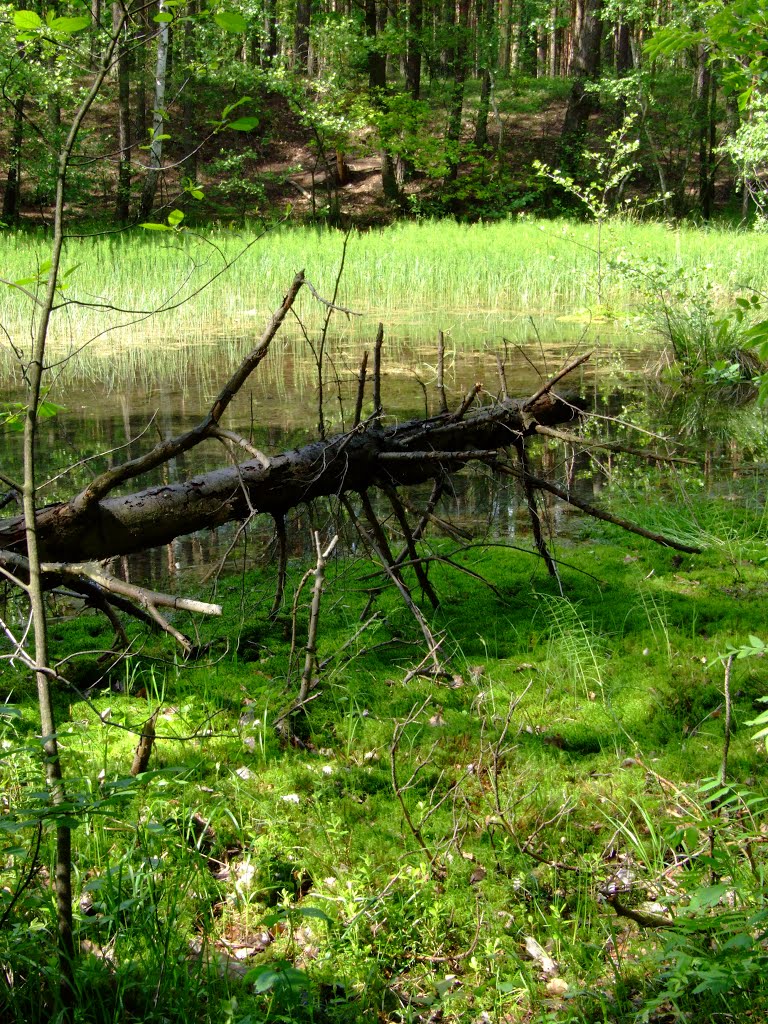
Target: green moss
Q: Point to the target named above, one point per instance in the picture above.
(564, 744)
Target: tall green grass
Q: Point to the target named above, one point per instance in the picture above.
(477, 281)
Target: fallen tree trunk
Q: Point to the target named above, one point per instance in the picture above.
(97, 525)
(372, 455)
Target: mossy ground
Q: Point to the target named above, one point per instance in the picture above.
(557, 761)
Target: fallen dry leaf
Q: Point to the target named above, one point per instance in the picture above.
(537, 952)
(557, 987)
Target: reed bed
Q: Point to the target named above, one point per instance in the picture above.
(482, 281)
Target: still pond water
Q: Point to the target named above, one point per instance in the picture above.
(117, 407)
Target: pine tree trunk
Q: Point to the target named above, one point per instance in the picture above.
(585, 68)
(505, 36)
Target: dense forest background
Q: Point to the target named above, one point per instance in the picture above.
(366, 111)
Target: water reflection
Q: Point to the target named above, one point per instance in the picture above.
(104, 423)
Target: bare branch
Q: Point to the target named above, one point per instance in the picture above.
(598, 513)
(173, 447)
(569, 368)
(611, 446)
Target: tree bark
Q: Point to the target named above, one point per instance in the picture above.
(706, 127)
(486, 14)
(585, 67)
(270, 47)
(123, 203)
(158, 120)
(458, 69)
(12, 196)
(409, 453)
(505, 36)
(301, 37)
(414, 47)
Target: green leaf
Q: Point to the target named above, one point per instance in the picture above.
(69, 25)
(757, 335)
(278, 975)
(315, 912)
(230, 21)
(233, 106)
(155, 227)
(671, 39)
(244, 124)
(25, 20)
(11, 826)
(163, 18)
(175, 217)
(46, 410)
(709, 896)
(273, 919)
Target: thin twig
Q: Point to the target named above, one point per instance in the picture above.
(727, 726)
(360, 390)
(377, 406)
(441, 372)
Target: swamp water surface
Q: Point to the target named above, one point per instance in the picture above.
(122, 403)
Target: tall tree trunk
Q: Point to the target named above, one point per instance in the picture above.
(585, 68)
(12, 196)
(34, 377)
(555, 42)
(505, 36)
(158, 120)
(486, 13)
(95, 6)
(270, 31)
(139, 65)
(458, 69)
(46, 189)
(377, 62)
(403, 168)
(705, 109)
(623, 50)
(123, 204)
(542, 49)
(414, 48)
(377, 84)
(446, 27)
(189, 105)
(301, 37)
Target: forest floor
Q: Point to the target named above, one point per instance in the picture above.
(541, 834)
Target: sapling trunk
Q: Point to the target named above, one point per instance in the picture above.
(34, 588)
